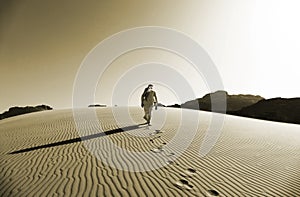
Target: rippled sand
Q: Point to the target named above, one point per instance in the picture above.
(48, 154)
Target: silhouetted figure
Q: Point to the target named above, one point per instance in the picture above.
(148, 99)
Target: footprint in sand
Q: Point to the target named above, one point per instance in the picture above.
(169, 162)
(191, 171)
(183, 184)
(152, 140)
(212, 192)
(188, 173)
(156, 132)
(170, 154)
(157, 150)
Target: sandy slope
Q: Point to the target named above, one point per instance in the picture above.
(44, 154)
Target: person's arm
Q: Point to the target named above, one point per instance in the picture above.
(142, 99)
(155, 97)
(156, 101)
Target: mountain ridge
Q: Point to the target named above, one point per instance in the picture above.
(247, 105)
(15, 111)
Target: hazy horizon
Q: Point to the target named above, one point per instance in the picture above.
(253, 44)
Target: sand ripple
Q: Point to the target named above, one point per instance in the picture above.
(42, 154)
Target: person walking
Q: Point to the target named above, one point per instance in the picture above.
(148, 99)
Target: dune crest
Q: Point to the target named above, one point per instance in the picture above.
(43, 154)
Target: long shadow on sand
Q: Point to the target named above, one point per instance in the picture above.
(79, 139)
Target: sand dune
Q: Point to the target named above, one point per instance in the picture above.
(49, 154)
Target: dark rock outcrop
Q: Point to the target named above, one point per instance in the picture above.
(160, 105)
(174, 106)
(234, 102)
(15, 111)
(247, 105)
(97, 105)
(276, 109)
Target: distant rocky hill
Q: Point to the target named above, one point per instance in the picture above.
(160, 105)
(234, 102)
(15, 111)
(246, 105)
(276, 109)
(97, 105)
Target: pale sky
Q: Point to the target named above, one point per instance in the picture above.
(253, 44)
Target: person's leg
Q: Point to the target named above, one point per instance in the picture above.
(146, 112)
(146, 109)
(150, 113)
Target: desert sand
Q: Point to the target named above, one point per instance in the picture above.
(49, 154)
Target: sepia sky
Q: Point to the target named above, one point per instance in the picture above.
(253, 44)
